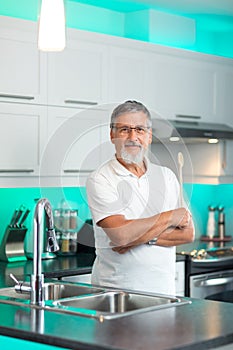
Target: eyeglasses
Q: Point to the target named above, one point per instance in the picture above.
(126, 130)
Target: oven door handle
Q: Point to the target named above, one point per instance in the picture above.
(215, 281)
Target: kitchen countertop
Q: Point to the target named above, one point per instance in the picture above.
(58, 267)
(199, 325)
(198, 244)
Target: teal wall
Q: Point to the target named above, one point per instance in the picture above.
(200, 197)
(202, 33)
(12, 198)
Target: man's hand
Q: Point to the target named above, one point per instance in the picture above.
(180, 218)
(180, 231)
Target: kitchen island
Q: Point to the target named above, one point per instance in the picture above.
(199, 325)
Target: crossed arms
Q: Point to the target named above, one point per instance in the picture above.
(173, 227)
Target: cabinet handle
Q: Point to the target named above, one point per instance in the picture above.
(16, 170)
(87, 103)
(191, 117)
(78, 171)
(216, 281)
(20, 97)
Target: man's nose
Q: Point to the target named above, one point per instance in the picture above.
(132, 134)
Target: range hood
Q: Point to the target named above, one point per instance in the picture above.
(190, 131)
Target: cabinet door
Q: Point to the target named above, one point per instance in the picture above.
(74, 141)
(181, 85)
(226, 78)
(76, 75)
(22, 73)
(22, 134)
(126, 77)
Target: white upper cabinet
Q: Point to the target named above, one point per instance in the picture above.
(184, 84)
(74, 143)
(76, 76)
(22, 66)
(126, 78)
(226, 92)
(22, 137)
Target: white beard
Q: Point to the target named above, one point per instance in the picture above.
(131, 158)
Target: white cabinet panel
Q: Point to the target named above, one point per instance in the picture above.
(181, 86)
(228, 95)
(22, 134)
(74, 141)
(126, 77)
(76, 75)
(180, 278)
(22, 75)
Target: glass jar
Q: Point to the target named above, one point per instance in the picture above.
(65, 244)
(73, 219)
(66, 220)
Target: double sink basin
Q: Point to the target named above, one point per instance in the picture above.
(94, 302)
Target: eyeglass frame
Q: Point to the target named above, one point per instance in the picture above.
(129, 129)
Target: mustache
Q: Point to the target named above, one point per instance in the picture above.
(132, 143)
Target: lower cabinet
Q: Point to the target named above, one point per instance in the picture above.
(180, 278)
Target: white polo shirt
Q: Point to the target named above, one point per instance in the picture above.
(113, 190)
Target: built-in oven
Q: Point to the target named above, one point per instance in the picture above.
(212, 285)
(209, 274)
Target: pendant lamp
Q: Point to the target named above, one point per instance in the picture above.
(52, 33)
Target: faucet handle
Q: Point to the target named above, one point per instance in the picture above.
(52, 245)
(20, 287)
(14, 278)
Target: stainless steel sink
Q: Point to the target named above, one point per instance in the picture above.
(115, 304)
(94, 302)
(53, 291)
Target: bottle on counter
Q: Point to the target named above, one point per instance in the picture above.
(65, 242)
(66, 220)
(221, 223)
(211, 225)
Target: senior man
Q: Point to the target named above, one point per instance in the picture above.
(135, 209)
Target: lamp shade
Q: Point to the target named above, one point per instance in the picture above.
(52, 33)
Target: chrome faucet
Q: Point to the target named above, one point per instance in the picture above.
(37, 278)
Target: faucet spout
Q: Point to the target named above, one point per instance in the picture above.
(37, 278)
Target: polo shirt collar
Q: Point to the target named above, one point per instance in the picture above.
(121, 170)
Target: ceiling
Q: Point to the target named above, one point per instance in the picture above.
(182, 7)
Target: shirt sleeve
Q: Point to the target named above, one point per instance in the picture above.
(103, 198)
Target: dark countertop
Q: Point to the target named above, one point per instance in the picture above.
(198, 244)
(58, 267)
(199, 325)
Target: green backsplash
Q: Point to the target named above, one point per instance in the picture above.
(12, 198)
(200, 197)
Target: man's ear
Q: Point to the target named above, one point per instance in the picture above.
(150, 136)
(112, 136)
